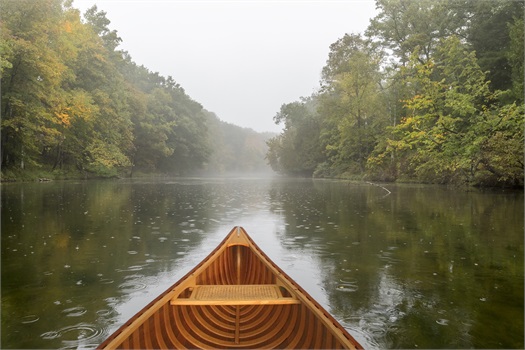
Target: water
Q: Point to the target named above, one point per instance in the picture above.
(399, 266)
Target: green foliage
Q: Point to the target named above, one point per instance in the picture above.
(515, 56)
(332, 134)
(31, 79)
(489, 34)
(71, 100)
(404, 25)
(298, 150)
(447, 107)
(99, 23)
(444, 105)
(456, 131)
(350, 105)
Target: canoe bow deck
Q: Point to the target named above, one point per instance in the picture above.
(235, 298)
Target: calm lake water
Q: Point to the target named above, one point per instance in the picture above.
(399, 266)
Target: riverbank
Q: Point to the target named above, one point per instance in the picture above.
(45, 175)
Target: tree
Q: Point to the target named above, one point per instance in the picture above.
(447, 107)
(32, 73)
(107, 137)
(297, 151)
(456, 130)
(350, 103)
(404, 25)
(71, 100)
(489, 34)
(515, 56)
(191, 144)
(100, 24)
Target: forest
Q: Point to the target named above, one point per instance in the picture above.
(75, 106)
(432, 92)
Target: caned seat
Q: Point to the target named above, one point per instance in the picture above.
(250, 294)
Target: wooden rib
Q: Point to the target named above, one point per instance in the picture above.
(160, 330)
(287, 331)
(147, 339)
(193, 333)
(250, 312)
(203, 332)
(217, 316)
(190, 332)
(136, 340)
(125, 344)
(298, 330)
(238, 267)
(262, 326)
(318, 339)
(259, 318)
(270, 319)
(237, 323)
(270, 338)
(219, 328)
(308, 333)
(164, 321)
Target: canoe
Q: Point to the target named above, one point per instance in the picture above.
(235, 298)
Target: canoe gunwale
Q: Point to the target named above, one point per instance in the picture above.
(174, 297)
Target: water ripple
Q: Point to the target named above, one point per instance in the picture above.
(104, 312)
(442, 321)
(388, 257)
(347, 286)
(129, 287)
(75, 311)
(73, 336)
(131, 268)
(29, 319)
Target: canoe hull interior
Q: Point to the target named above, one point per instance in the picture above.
(236, 298)
(205, 327)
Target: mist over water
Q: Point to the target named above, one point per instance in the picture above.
(399, 266)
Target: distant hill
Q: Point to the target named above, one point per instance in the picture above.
(235, 150)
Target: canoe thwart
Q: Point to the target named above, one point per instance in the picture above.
(250, 294)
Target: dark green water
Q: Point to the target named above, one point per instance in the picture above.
(420, 267)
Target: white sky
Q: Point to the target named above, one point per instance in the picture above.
(240, 59)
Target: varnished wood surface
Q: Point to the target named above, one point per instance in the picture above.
(249, 294)
(236, 298)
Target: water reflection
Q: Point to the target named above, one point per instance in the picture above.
(420, 266)
(415, 268)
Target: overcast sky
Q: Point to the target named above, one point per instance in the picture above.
(240, 59)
